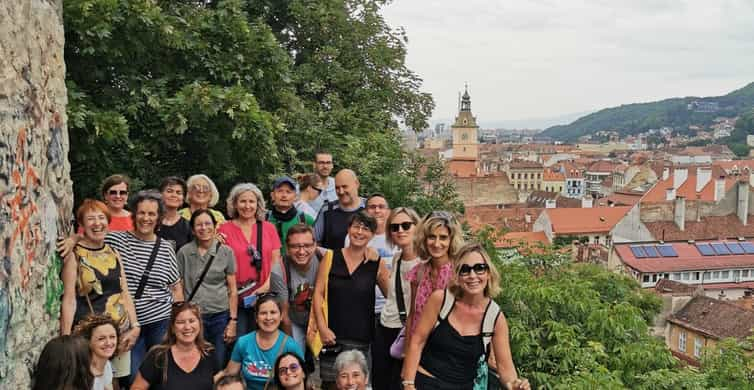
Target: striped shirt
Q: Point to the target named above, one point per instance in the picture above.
(156, 300)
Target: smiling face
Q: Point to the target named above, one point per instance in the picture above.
(246, 205)
(172, 195)
(95, 225)
(351, 378)
(301, 248)
(347, 189)
(103, 342)
(204, 228)
(402, 238)
(146, 217)
(473, 282)
(186, 327)
(283, 197)
(200, 193)
(359, 234)
(290, 372)
(268, 316)
(116, 197)
(438, 242)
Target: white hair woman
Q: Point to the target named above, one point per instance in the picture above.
(202, 194)
(352, 371)
(256, 245)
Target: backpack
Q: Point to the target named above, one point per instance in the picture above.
(491, 313)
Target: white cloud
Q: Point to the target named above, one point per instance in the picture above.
(529, 59)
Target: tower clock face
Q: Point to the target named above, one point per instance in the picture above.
(465, 121)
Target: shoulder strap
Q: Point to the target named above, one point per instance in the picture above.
(447, 305)
(204, 272)
(301, 217)
(259, 238)
(288, 277)
(488, 324)
(150, 264)
(277, 355)
(399, 291)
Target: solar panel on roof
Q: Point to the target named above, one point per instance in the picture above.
(638, 252)
(705, 249)
(720, 248)
(748, 247)
(667, 251)
(735, 248)
(651, 251)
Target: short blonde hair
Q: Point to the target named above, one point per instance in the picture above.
(410, 213)
(433, 221)
(212, 187)
(236, 192)
(492, 289)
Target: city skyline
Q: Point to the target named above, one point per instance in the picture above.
(542, 59)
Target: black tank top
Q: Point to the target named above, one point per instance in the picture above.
(350, 299)
(450, 357)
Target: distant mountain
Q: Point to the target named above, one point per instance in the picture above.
(515, 124)
(678, 113)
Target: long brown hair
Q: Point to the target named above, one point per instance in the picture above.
(161, 350)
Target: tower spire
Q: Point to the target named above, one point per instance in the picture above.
(466, 99)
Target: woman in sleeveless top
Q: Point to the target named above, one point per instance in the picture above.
(446, 352)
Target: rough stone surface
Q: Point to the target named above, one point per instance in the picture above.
(35, 186)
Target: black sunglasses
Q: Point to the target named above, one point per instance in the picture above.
(479, 269)
(395, 227)
(443, 215)
(180, 304)
(116, 192)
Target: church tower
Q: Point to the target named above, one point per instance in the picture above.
(465, 160)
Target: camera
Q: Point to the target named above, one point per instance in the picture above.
(256, 258)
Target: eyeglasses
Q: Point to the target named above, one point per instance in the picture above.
(117, 193)
(293, 367)
(396, 227)
(324, 162)
(377, 207)
(479, 269)
(360, 227)
(200, 188)
(294, 247)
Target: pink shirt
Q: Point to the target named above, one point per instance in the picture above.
(427, 286)
(236, 240)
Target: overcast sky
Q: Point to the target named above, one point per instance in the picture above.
(536, 59)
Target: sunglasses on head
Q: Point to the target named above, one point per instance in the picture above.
(395, 227)
(180, 304)
(116, 193)
(478, 268)
(443, 215)
(293, 367)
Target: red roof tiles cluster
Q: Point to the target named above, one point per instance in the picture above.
(715, 318)
(585, 220)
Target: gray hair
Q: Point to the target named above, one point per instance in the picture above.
(212, 187)
(236, 192)
(352, 356)
(147, 195)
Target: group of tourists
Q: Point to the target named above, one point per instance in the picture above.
(166, 293)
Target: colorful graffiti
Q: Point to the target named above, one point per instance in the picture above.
(53, 286)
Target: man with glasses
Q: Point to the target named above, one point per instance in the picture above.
(323, 166)
(294, 280)
(331, 226)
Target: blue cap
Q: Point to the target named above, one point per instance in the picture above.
(285, 180)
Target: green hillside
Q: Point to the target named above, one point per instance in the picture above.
(638, 117)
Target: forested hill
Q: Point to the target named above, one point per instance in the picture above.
(675, 112)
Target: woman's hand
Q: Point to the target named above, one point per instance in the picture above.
(519, 384)
(66, 245)
(230, 332)
(327, 336)
(128, 339)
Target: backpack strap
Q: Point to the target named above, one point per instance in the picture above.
(301, 217)
(491, 313)
(448, 300)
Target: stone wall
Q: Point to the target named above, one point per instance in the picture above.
(35, 185)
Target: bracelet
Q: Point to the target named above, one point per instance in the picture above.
(407, 383)
(135, 325)
(233, 319)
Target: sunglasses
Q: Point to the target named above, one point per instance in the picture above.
(396, 227)
(180, 304)
(293, 367)
(479, 269)
(443, 215)
(116, 193)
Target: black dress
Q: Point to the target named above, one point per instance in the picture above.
(177, 379)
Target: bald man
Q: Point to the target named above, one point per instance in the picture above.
(331, 226)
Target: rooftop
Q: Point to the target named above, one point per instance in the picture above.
(585, 220)
(715, 318)
(688, 257)
(525, 164)
(707, 228)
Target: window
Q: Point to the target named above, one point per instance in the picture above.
(744, 273)
(705, 276)
(685, 276)
(697, 347)
(736, 274)
(645, 278)
(676, 276)
(715, 275)
(682, 341)
(696, 275)
(725, 274)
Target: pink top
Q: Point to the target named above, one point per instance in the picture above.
(427, 286)
(236, 240)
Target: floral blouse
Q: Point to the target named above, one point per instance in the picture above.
(427, 286)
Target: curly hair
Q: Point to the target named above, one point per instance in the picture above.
(88, 324)
(431, 222)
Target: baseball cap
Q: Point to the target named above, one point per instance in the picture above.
(284, 180)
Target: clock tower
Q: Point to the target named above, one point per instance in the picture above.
(465, 139)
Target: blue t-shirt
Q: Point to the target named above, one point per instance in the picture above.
(256, 363)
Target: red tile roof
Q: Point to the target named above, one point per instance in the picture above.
(526, 239)
(689, 259)
(585, 220)
(715, 318)
(509, 218)
(708, 228)
(553, 176)
(688, 189)
(525, 164)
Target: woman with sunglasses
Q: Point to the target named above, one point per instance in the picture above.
(94, 282)
(401, 224)
(208, 271)
(437, 240)
(289, 373)
(115, 193)
(245, 234)
(202, 194)
(254, 354)
(184, 360)
(447, 349)
(351, 279)
(309, 191)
